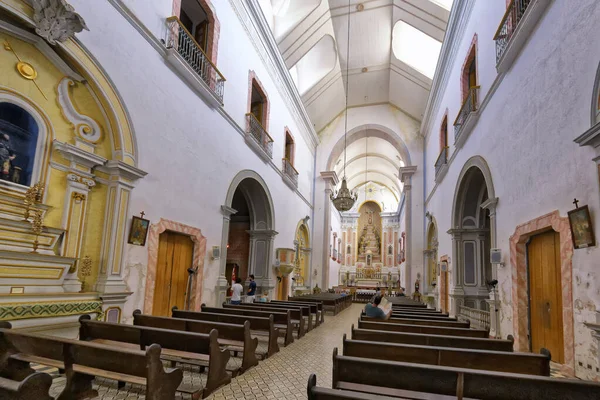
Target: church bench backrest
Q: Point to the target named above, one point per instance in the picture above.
(520, 363)
(461, 382)
(233, 332)
(256, 323)
(411, 321)
(280, 317)
(304, 309)
(431, 330)
(161, 384)
(294, 315)
(314, 307)
(421, 316)
(320, 393)
(35, 386)
(432, 340)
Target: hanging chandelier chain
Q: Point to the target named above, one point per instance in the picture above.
(347, 86)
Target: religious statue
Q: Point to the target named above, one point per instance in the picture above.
(417, 286)
(7, 155)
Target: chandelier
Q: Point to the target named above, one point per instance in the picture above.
(344, 199)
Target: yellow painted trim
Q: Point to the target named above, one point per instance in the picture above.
(108, 232)
(20, 273)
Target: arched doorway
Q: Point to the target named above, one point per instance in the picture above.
(247, 239)
(472, 234)
(430, 281)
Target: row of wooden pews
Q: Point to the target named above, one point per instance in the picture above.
(420, 353)
(331, 301)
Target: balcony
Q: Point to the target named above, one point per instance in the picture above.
(441, 164)
(467, 117)
(189, 60)
(258, 138)
(516, 26)
(290, 175)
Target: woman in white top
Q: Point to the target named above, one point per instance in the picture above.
(237, 289)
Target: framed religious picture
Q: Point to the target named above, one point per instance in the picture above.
(581, 228)
(138, 231)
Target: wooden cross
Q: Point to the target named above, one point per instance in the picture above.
(142, 214)
(576, 202)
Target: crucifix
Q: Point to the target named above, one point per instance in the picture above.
(142, 214)
(576, 202)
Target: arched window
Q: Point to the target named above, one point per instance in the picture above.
(444, 135)
(289, 147)
(18, 144)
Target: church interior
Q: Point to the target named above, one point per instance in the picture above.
(299, 199)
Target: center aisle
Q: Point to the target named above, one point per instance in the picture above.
(285, 375)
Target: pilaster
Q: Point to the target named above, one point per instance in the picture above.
(120, 184)
(331, 180)
(406, 174)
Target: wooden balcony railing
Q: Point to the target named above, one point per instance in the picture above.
(515, 11)
(257, 133)
(290, 171)
(441, 160)
(180, 39)
(469, 106)
(479, 318)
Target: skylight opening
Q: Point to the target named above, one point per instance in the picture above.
(315, 64)
(415, 48)
(447, 4)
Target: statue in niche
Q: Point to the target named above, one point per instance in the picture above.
(370, 217)
(7, 155)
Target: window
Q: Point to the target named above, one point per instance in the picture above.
(199, 21)
(289, 147)
(444, 135)
(18, 143)
(415, 48)
(258, 104)
(469, 72)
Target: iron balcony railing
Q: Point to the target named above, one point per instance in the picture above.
(290, 171)
(441, 160)
(180, 39)
(515, 11)
(480, 319)
(469, 106)
(259, 134)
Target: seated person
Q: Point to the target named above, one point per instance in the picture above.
(372, 309)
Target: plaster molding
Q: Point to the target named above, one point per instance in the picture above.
(123, 170)
(406, 173)
(85, 127)
(77, 155)
(253, 21)
(330, 177)
(228, 211)
(56, 20)
(591, 137)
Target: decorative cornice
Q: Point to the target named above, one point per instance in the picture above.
(122, 170)
(591, 137)
(78, 155)
(228, 211)
(250, 15)
(330, 177)
(406, 173)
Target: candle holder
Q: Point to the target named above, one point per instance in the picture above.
(37, 228)
(33, 196)
(85, 270)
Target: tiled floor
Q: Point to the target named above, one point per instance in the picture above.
(281, 377)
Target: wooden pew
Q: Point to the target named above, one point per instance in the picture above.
(35, 386)
(433, 340)
(319, 393)
(258, 324)
(305, 310)
(282, 320)
(178, 346)
(392, 378)
(82, 361)
(518, 363)
(333, 303)
(296, 319)
(397, 315)
(429, 330)
(316, 308)
(411, 321)
(231, 336)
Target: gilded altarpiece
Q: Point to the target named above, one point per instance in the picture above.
(67, 168)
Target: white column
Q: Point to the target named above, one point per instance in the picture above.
(406, 174)
(331, 180)
(221, 291)
(494, 300)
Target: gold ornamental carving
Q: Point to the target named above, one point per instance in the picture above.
(37, 228)
(84, 271)
(25, 69)
(78, 197)
(33, 196)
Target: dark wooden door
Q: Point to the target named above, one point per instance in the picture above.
(545, 294)
(175, 252)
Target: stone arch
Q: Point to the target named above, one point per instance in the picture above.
(370, 130)
(262, 221)
(479, 163)
(198, 260)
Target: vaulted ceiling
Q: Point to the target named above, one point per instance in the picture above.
(393, 50)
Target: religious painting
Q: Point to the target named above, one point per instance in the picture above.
(581, 228)
(18, 143)
(139, 231)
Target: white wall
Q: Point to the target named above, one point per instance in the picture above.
(190, 151)
(334, 266)
(525, 133)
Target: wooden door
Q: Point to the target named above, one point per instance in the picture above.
(545, 294)
(175, 252)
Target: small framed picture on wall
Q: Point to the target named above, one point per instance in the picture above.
(581, 228)
(139, 231)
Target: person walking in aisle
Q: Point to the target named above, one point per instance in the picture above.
(251, 295)
(236, 291)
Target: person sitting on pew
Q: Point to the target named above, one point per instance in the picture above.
(374, 311)
(236, 291)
